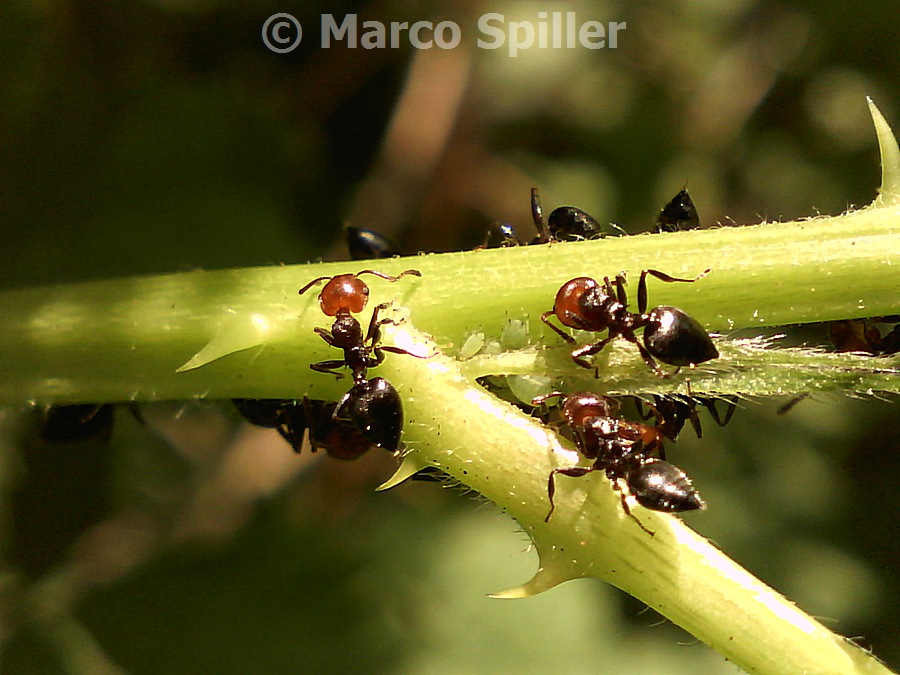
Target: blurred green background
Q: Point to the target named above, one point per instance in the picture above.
(144, 137)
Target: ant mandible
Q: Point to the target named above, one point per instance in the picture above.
(670, 334)
(343, 295)
(624, 451)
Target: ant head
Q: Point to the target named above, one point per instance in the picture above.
(660, 486)
(578, 301)
(583, 405)
(674, 337)
(344, 294)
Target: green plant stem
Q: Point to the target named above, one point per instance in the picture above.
(125, 339)
(246, 333)
(506, 456)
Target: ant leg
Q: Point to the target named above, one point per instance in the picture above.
(329, 367)
(388, 277)
(373, 334)
(537, 214)
(400, 350)
(662, 276)
(787, 407)
(627, 510)
(292, 428)
(692, 412)
(653, 365)
(340, 405)
(729, 411)
(538, 400)
(621, 295)
(573, 472)
(565, 336)
(326, 335)
(313, 283)
(589, 350)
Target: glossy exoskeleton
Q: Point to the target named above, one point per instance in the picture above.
(565, 223)
(626, 451)
(670, 335)
(679, 214)
(375, 409)
(342, 296)
(339, 438)
(370, 414)
(369, 244)
(863, 335)
(672, 411)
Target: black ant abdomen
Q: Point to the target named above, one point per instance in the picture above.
(625, 451)
(676, 338)
(375, 409)
(660, 486)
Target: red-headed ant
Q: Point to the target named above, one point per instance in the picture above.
(670, 335)
(624, 451)
(340, 297)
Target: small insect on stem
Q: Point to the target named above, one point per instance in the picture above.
(626, 451)
(670, 334)
(341, 297)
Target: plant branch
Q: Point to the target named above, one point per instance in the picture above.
(246, 333)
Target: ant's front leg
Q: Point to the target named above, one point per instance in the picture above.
(373, 334)
(326, 335)
(589, 350)
(662, 276)
(565, 336)
(400, 350)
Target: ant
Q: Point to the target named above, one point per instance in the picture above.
(672, 411)
(670, 335)
(625, 452)
(679, 214)
(366, 244)
(857, 335)
(343, 295)
(862, 335)
(374, 417)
